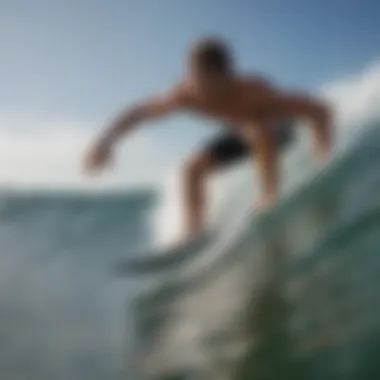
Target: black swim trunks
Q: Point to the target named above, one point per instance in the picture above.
(229, 148)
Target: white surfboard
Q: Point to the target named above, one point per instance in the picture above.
(162, 259)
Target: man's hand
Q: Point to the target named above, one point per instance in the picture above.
(322, 141)
(97, 158)
(159, 105)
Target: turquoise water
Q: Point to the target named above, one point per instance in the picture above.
(62, 313)
(292, 294)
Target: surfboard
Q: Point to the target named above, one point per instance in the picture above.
(146, 262)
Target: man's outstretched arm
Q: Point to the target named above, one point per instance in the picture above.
(315, 111)
(154, 107)
(319, 115)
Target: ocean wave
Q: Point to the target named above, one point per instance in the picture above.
(280, 291)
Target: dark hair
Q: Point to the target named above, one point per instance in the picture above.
(212, 53)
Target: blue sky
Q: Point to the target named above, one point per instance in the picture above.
(80, 60)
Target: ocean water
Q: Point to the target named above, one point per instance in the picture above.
(290, 294)
(62, 312)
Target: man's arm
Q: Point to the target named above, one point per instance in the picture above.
(305, 107)
(319, 116)
(154, 107)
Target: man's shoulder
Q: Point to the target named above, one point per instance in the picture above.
(180, 92)
(255, 80)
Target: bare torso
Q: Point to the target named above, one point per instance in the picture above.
(240, 102)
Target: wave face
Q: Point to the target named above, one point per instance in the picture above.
(62, 314)
(292, 293)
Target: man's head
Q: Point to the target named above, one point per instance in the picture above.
(210, 61)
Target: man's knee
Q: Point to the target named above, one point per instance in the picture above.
(197, 167)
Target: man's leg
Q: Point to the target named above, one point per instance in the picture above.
(283, 133)
(196, 171)
(223, 151)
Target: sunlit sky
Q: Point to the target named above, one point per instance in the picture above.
(79, 61)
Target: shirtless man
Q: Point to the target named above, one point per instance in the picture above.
(252, 109)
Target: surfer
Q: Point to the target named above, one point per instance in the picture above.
(258, 118)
